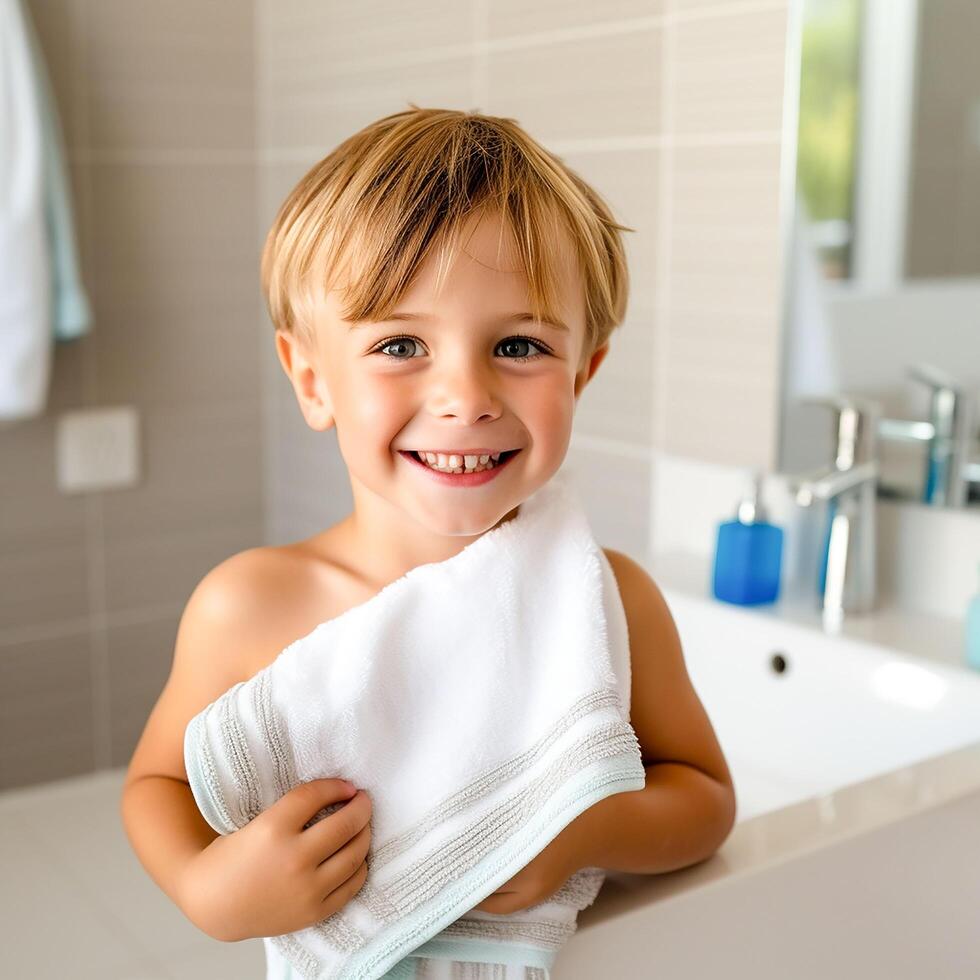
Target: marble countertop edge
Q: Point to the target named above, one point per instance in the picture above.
(768, 839)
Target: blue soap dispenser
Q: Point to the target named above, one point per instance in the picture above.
(748, 554)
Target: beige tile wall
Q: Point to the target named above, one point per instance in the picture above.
(672, 109)
(157, 105)
(186, 125)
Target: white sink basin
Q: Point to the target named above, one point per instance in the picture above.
(840, 711)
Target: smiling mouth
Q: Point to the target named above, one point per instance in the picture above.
(461, 471)
(505, 455)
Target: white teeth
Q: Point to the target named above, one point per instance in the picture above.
(457, 463)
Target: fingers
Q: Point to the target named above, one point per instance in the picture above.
(327, 836)
(310, 802)
(339, 897)
(348, 866)
(322, 838)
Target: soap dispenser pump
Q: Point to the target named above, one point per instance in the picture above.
(748, 554)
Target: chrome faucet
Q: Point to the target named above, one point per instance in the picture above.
(948, 435)
(849, 486)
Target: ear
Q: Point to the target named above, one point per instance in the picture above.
(310, 385)
(585, 375)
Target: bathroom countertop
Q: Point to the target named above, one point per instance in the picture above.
(770, 839)
(909, 631)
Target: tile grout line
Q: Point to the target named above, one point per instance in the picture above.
(665, 180)
(622, 27)
(94, 519)
(611, 447)
(81, 624)
(86, 156)
(101, 686)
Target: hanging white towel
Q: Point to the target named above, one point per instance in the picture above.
(71, 315)
(41, 295)
(483, 703)
(25, 273)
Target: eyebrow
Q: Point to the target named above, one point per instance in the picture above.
(506, 318)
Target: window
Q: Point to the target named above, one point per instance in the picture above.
(828, 127)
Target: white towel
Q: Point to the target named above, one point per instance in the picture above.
(25, 270)
(483, 703)
(71, 313)
(42, 299)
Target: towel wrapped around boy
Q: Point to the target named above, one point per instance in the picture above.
(483, 703)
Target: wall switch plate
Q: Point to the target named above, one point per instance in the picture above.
(98, 449)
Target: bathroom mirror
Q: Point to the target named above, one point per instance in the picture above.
(881, 220)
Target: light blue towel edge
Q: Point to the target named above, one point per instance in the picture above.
(619, 774)
(71, 312)
(577, 795)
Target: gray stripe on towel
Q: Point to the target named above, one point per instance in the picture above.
(429, 875)
(488, 781)
(272, 732)
(239, 758)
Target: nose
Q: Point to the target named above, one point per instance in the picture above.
(464, 388)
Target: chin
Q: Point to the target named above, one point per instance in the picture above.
(462, 529)
(462, 525)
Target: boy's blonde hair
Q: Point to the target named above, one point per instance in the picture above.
(387, 194)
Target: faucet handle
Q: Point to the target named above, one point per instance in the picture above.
(949, 403)
(951, 411)
(855, 426)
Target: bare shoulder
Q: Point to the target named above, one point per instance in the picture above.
(665, 711)
(636, 586)
(230, 625)
(646, 609)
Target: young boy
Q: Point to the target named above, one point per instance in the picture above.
(440, 285)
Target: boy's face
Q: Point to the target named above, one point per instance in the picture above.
(460, 385)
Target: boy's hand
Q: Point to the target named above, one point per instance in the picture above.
(275, 875)
(540, 879)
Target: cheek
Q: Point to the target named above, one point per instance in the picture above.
(549, 410)
(375, 405)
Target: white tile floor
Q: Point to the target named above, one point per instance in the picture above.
(75, 901)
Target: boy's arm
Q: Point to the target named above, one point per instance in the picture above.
(164, 828)
(161, 819)
(688, 806)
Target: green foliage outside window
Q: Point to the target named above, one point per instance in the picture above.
(828, 123)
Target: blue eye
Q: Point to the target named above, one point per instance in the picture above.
(391, 341)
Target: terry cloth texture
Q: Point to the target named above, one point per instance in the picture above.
(483, 703)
